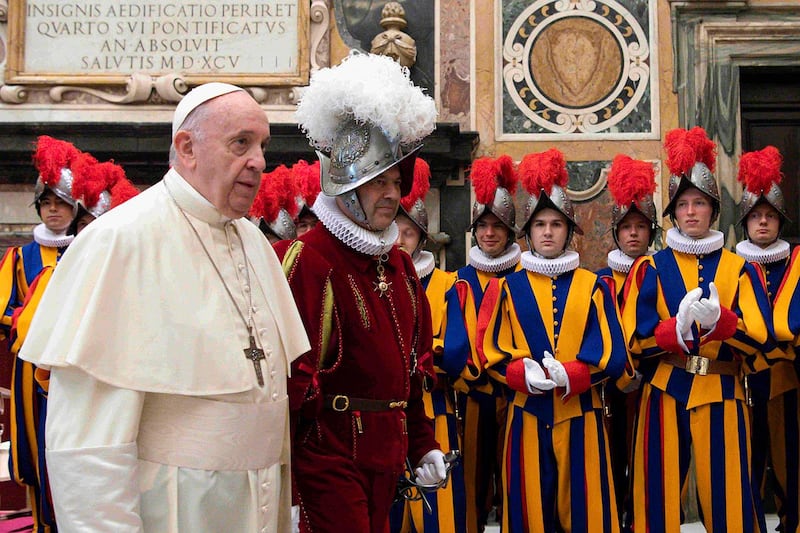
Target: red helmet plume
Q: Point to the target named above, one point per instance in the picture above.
(306, 176)
(92, 178)
(51, 156)
(421, 185)
(687, 147)
(630, 180)
(122, 191)
(487, 174)
(542, 170)
(278, 191)
(758, 170)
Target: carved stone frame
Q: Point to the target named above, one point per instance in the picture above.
(139, 88)
(15, 61)
(711, 41)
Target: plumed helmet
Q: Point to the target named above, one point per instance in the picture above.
(98, 187)
(760, 174)
(544, 176)
(368, 116)
(632, 183)
(413, 204)
(275, 204)
(691, 158)
(494, 182)
(306, 178)
(53, 158)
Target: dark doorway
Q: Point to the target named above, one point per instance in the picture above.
(770, 108)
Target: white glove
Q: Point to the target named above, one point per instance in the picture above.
(535, 377)
(556, 370)
(685, 318)
(431, 469)
(707, 310)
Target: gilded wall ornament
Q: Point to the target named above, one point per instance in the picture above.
(393, 42)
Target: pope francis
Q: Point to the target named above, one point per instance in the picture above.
(169, 329)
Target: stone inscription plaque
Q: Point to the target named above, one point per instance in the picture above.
(242, 41)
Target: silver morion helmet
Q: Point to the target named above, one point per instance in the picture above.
(360, 152)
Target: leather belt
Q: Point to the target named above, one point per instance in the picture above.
(340, 402)
(697, 364)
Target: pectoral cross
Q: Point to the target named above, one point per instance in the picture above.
(255, 354)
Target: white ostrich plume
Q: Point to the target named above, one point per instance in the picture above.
(371, 89)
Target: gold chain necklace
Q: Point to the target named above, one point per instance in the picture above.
(252, 352)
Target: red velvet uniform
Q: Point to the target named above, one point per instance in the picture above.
(366, 346)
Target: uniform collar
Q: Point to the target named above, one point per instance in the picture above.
(566, 262)
(360, 239)
(687, 245)
(777, 251)
(424, 263)
(481, 261)
(619, 261)
(45, 237)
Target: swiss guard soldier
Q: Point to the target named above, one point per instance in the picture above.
(448, 505)
(772, 390)
(634, 226)
(19, 268)
(691, 310)
(550, 335)
(483, 407)
(356, 397)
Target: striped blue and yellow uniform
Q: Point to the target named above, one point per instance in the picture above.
(18, 268)
(782, 392)
(556, 464)
(620, 412)
(786, 311)
(481, 407)
(448, 505)
(683, 415)
(19, 280)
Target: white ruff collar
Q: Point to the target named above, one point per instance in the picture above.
(45, 237)
(351, 234)
(619, 261)
(566, 262)
(424, 263)
(687, 245)
(481, 261)
(776, 251)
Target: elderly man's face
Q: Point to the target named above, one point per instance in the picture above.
(228, 153)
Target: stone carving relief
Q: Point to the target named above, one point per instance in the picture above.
(143, 88)
(583, 68)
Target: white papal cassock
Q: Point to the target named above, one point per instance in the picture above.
(156, 420)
